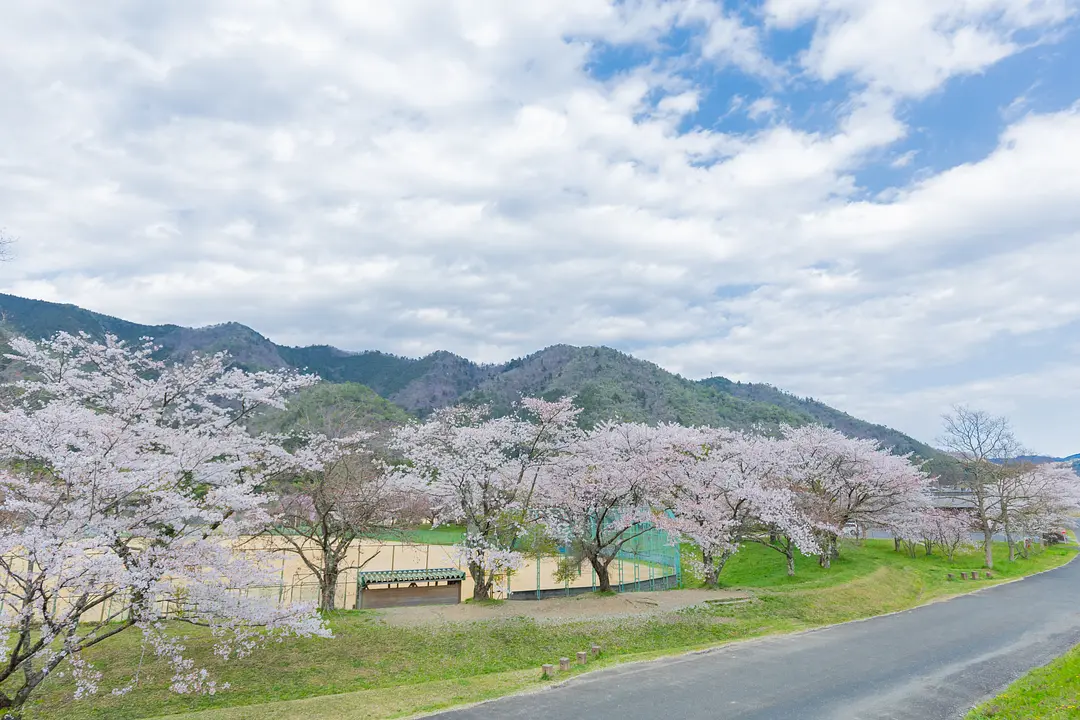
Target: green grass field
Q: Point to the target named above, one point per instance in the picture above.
(1048, 693)
(372, 670)
(442, 535)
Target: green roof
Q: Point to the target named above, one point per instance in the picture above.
(396, 576)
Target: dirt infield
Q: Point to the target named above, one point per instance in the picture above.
(299, 585)
(556, 610)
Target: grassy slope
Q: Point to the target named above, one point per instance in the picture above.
(1049, 693)
(375, 671)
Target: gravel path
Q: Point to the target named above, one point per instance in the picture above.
(569, 609)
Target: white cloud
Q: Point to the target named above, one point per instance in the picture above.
(449, 175)
(911, 48)
(761, 107)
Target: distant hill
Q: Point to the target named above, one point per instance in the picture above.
(821, 414)
(1073, 460)
(606, 382)
(335, 409)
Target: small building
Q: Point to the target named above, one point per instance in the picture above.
(403, 588)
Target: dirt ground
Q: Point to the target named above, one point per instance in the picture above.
(563, 609)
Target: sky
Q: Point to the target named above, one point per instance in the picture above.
(875, 203)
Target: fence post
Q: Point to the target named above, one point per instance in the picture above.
(678, 565)
(281, 582)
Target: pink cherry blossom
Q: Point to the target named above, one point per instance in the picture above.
(127, 481)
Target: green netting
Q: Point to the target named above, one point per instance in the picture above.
(648, 560)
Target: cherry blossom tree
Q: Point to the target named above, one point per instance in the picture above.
(729, 488)
(845, 480)
(608, 488)
(705, 500)
(335, 492)
(948, 530)
(125, 483)
(484, 472)
(931, 527)
(1034, 499)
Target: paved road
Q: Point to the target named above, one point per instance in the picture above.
(930, 663)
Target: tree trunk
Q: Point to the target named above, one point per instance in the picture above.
(603, 578)
(712, 578)
(481, 582)
(714, 566)
(896, 544)
(825, 542)
(328, 593)
(789, 553)
(834, 546)
(1012, 545)
(988, 548)
(328, 583)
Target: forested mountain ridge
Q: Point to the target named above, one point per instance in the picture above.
(821, 413)
(606, 382)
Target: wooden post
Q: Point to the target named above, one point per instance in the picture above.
(548, 670)
(564, 664)
(582, 657)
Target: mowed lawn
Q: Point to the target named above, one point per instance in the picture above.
(371, 670)
(1048, 693)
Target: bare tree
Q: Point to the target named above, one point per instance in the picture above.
(985, 447)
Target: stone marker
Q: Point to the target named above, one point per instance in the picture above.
(582, 657)
(951, 577)
(989, 576)
(963, 576)
(548, 670)
(595, 650)
(564, 663)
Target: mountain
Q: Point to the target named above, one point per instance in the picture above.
(606, 382)
(418, 385)
(610, 384)
(821, 414)
(1073, 460)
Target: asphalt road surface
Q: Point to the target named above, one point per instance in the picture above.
(931, 662)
